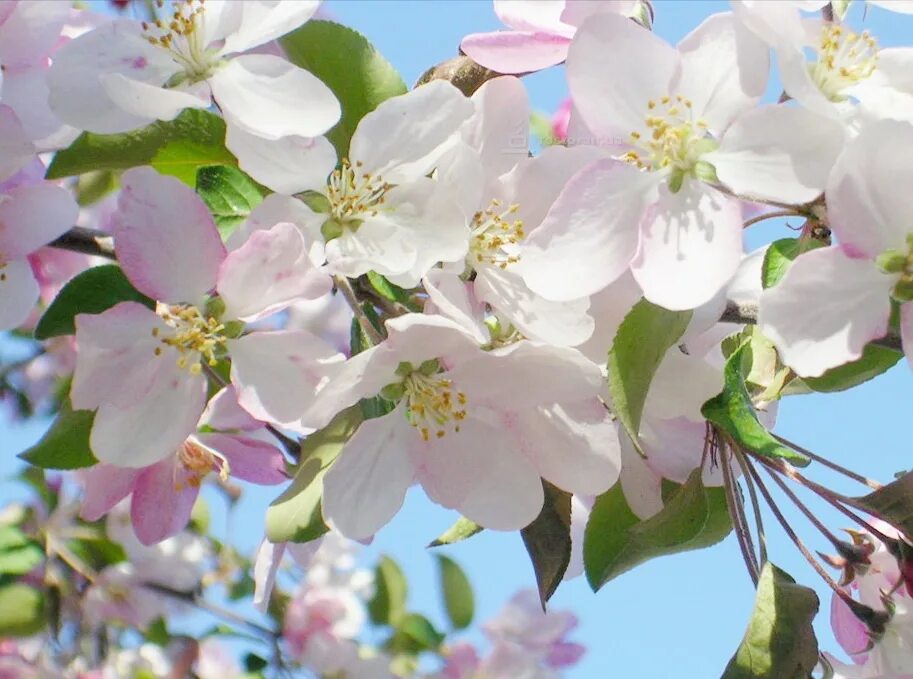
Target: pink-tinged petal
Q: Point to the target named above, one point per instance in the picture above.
(868, 205)
(906, 330)
(154, 428)
(163, 498)
(564, 324)
(34, 215)
(480, 472)
(575, 13)
(266, 566)
(165, 237)
(31, 30)
(849, 631)
(224, 414)
(141, 98)
(592, 227)
(449, 296)
(675, 448)
(724, 69)
(404, 137)
(18, 293)
(690, 246)
(608, 308)
(6, 8)
(15, 148)
(103, 486)
(515, 51)
(277, 208)
(564, 654)
(378, 245)
(825, 310)
(268, 96)
(277, 374)
(366, 485)
(287, 165)
(268, 273)
(544, 16)
(499, 129)
(26, 92)
(260, 22)
(614, 67)
(561, 120)
(641, 486)
(780, 153)
(77, 94)
(574, 445)
(248, 459)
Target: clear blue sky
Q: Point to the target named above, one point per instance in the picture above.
(679, 616)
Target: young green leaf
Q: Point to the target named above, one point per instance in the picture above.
(91, 292)
(295, 516)
(21, 610)
(461, 529)
(642, 340)
(175, 147)
(780, 256)
(18, 554)
(874, 361)
(66, 444)
(458, 599)
(548, 540)
(229, 194)
(388, 605)
(779, 642)
(350, 66)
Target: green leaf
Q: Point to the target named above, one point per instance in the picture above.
(295, 516)
(387, 290)
(874, 361)
(548, 540)
(615, 540)
(93, 186)
(415, 634)
(175, 147)
(731, 410)
(18, 554)
(388, 605)
(458, 599)
(350, 66)
(779, 642)
(642, 340)
(21, 611)
(893, 503)
(780, 256)
(66, 444)
(463, 528)
(540, 125)
(229, 194)
(93, 291)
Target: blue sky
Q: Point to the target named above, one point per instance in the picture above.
(678, 616)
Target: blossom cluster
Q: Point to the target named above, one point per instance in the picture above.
(416, 293)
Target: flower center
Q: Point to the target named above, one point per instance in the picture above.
(844, 58)
(672, 139)
(194, 336)
(353, 195)
(495, 237)
(198, 461)
(432, 402)
(182, 37)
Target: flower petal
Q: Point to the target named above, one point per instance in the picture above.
(162, 501)
(15, 148)
(248, 459)
(515, 51)
(499, 129)
(367, 483)
(165, 237)
(267, 96)
(104, 485)
(544, 16)
(150, 99)
(641, 486)
(825, 310)
(18, 293)
(690, 247)
(33, 215)
(260, 22)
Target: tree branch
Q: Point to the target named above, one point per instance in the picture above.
(86, 241)
(465, 74)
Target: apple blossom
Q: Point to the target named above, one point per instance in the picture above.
(125, 74)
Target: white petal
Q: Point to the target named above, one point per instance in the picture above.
(149, 99)
(681, 385)
(77, 94)
(377, 245)
(608, 308)
(574, 445)
(403, 138)
(33, 215)
(26, 92)
(641, 486)
(31, 31)
(614, 67)
(277, 208)
(18, 293)
(780, 153)
(593, 227)
(269, 97)
(152, 429)
(15, 148)
(825, 310)
(869, 208)
(540, 16)
(287, 165)
(366, 485)
(559, 323)
(499, 129)
(165, 237)
(268, 273)
(277, 374)
(724, 69)
(690, 247)
(449, 296)
(262, 21)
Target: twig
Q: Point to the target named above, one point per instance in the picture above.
(772, 215)
(209, 607)
(874, 485)
(737, 515)
(86, 241)
(755, 505)
(345, 287)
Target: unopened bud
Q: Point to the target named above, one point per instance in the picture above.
(891, 261)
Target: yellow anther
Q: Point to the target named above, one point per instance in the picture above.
(495, 238)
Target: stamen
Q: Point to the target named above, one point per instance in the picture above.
(844, 59)
(198, 461)
(182, 36)
(495, 237)
(432, 403)
(354, 194)
(194, 336)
